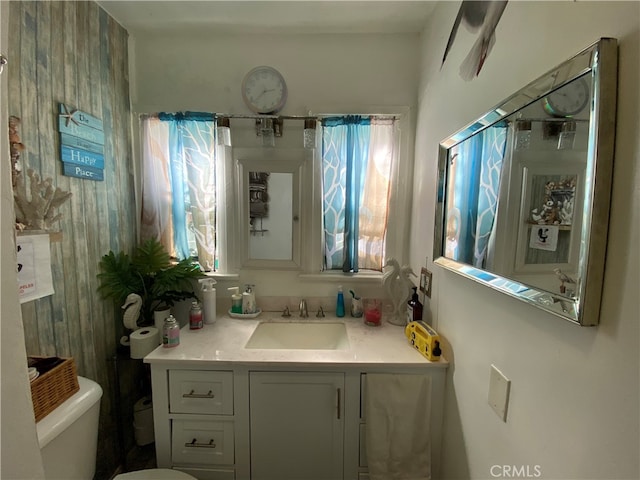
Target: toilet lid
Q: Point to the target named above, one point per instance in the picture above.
(155, 474)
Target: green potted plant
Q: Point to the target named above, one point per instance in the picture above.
(149, 273)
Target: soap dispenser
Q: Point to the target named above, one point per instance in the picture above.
(236, 300)
(248, 300)
(340, 303)
(414, 307)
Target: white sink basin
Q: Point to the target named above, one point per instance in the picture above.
(299, 336)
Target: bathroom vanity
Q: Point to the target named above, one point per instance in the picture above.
(269, 398)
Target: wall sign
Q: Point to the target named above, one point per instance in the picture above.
(81, 144)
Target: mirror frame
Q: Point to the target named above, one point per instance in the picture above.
(272, 160)
(600, 60)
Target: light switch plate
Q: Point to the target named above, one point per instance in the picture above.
(499, 387)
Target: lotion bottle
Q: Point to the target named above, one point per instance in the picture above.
(248, 300)
(340, 303)
(209, 300)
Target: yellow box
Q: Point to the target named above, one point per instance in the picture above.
(424, 339)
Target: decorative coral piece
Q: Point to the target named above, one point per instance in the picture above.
(37, 211)
(16, 147)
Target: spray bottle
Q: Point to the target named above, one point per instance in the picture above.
(209, 300)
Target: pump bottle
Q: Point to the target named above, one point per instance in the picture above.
(248, 300)
(414, 307)
(236, 300)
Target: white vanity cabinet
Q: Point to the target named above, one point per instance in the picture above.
(283, 423)
(224, 412)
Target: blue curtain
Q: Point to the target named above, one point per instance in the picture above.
(345, 155)
(473, 209)
(192, 177)
(493, 149)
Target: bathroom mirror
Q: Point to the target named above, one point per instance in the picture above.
(269, 196)
(523, 192)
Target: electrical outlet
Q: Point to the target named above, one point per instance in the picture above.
(499, 387)
(425, 281)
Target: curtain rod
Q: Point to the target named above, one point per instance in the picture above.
(286, 117)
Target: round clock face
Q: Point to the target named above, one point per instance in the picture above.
(264, 90)
(568, 100)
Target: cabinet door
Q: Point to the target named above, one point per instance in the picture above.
(296, 425)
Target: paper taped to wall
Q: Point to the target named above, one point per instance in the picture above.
(34, 267)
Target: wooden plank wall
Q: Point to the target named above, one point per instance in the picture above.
(73, 52)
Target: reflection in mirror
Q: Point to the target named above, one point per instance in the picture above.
(523, 195)
(269, 195)
(270, 215)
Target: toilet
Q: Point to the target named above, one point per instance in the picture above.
(68, 439)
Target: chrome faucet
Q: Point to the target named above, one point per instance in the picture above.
(304, 313)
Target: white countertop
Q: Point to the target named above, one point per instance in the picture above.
(223, 343)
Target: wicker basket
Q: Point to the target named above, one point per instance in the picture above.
(57, 382)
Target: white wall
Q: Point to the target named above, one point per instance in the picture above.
(574, 395)
(203, 71)
(20, 451)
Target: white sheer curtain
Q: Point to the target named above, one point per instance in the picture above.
(374, 210)
(156, 218)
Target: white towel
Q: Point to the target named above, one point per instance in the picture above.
(398, 437)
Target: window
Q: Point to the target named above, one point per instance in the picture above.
(353, 193)
(357, 156)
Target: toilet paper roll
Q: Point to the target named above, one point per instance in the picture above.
(144, 341)
(143, 421)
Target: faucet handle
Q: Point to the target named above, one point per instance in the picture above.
(320, 313)
(286, 312)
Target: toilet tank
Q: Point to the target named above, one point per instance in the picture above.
(68, 436)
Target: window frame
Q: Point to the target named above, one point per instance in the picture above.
(397, 237)
(311, 262)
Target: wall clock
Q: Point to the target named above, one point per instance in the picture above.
(264, 90)
(568, 100)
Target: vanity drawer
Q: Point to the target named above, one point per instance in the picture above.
(205, 392)
(202, 442)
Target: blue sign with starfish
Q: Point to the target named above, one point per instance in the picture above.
(81, 143)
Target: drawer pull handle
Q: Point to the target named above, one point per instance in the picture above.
(191, 394)
(194, 444)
